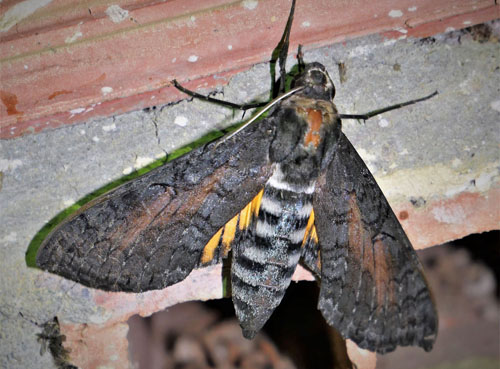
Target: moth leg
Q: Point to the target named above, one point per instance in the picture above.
(279, 54)
(216, 101)
(383, 110)
(300, 59)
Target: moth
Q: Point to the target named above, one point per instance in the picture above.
(51, 339)
(285, 189)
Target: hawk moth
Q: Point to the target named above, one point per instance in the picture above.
(289, 188)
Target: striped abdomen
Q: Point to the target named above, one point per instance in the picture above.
(266, 256)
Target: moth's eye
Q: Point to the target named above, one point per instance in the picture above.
(318, 77)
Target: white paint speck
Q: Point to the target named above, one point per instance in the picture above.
(106, 90)
(116, 14)
(401, 30)
(361, 50)
(82, 132)
(96, 139)
(109, 127)
(6, 164)
(452, 214)
(465, 87)
(127, 170)
(395, 13)
(456, 162)
(306, 24)
(467, 22)
(20, 11)
(77, 111)
(404, 152)
(11, 237)
(412, 9)
(68, 202)
(389, 42)
(250, 4)
(174, 60)
(495, 105)
(230, 47)
(73, 38)
(193, 18)
(25, 66)
(486, 180)
(142, 161)
(181, 121)
(192, 58)
(449, 29)
(452, 191)
(383, 123)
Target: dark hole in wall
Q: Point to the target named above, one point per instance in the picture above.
(464, 278)
(484, 248)
(207, 335)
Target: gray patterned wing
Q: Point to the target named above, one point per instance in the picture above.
(149, 233)
(372, 285)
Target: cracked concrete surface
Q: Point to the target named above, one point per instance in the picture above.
(457, 131)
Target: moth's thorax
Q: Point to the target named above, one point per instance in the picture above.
(306, 132)
(320, 117)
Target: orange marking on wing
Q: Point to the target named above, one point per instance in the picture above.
(311, 234)
(209, 249)
(314, 235)
(245, 217)
(228, 237)
(310, 230)
(256, 203)
(314, 121)
(251, 210)
(229, 229)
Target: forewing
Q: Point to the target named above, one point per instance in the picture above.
(372, 285)
(149, 233)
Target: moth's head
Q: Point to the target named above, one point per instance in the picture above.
(317, 82)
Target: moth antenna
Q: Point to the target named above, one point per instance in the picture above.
(264, 109)
(280, 53)
(386, 109)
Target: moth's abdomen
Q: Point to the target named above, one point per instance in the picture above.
(266, 257)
